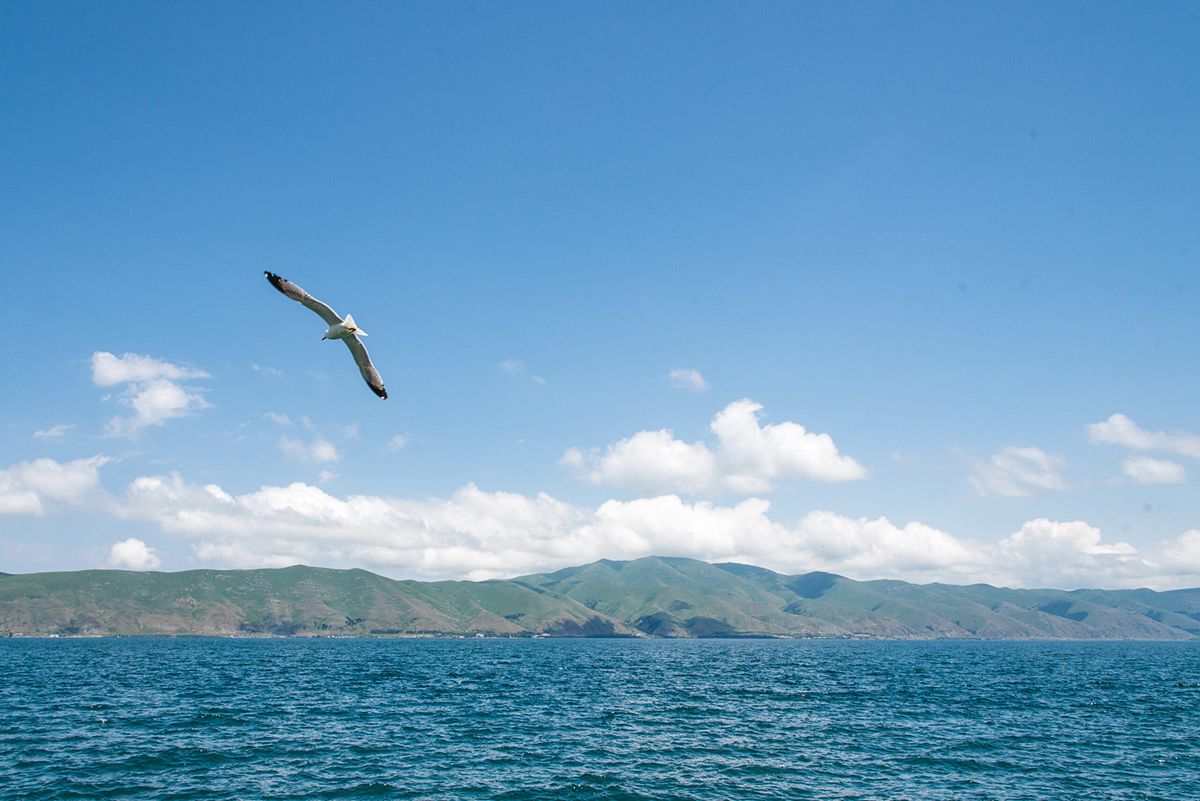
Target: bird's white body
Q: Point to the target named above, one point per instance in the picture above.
(346, 328)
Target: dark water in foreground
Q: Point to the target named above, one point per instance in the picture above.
(609, 719)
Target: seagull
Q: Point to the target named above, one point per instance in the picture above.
(345, 330)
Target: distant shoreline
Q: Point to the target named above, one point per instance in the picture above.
(653, 597)
(643, 638)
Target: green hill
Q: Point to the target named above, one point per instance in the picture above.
(655, 596)
(287, 601)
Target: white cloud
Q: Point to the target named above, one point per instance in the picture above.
(753, 455)
(687, 379)
(1179, 559)
(26, 487)
(54, 432)
(323, 451)
(325, 476)
(152, 390)
(748, 457)
(16, 501)
(1144, 470)
(350, 431)
(1120, 430)
(573, 458)
(1046, 553)
(397, 442)
(108, 370)
(1015, 471)
(133, 554)
(318, 450)
(281, 420)
(478, 534)
(653, 461)
(271, 371)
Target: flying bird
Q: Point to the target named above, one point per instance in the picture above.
(345, 330)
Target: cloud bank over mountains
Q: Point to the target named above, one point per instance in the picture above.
(478, 534)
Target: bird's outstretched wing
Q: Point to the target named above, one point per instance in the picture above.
(300, 296)
(369, 373)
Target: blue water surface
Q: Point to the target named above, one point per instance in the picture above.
(597, 719)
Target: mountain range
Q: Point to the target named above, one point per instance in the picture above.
(654, 596)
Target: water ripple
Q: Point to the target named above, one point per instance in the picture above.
(559, 719)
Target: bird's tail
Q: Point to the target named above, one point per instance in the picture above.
(349, 323)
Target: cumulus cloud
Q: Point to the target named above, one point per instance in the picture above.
(1047, 553)
(690, 380)
(1016, 471)
(1179, 560)
(1144, 470)
(54, 432)
(651, 461)
(27, 487)
(479, 534)
(153, 389)
(1119, 429)
(281, 420)
(133, 554)
(317, 450)
(397, 442)
(748, 457)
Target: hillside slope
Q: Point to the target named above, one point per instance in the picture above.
(287, 601)
(654, 596)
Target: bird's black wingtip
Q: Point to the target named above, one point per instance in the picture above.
(275, 280)
(381, 392)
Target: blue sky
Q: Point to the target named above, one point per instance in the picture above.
(950, 237)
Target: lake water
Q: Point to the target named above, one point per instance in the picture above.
(597, 719)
